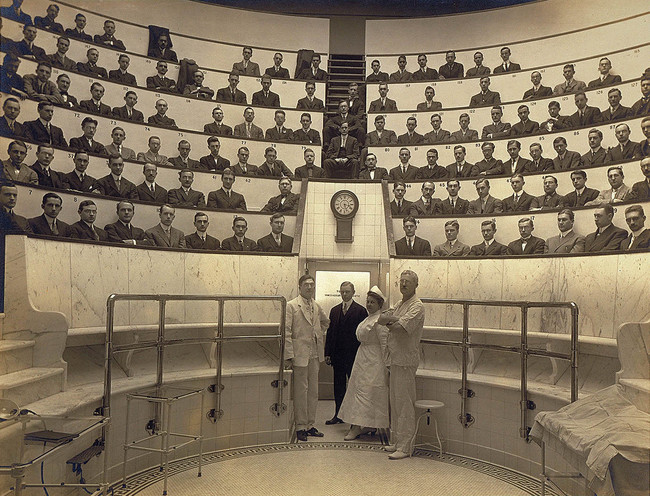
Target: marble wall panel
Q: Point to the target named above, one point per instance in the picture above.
(632, 289)
(48, 276)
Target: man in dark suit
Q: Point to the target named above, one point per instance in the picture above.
(426, 205)
(429, 104)
(517, 164)
(122, 75)
(567, 241)
(246, 67)
(128, 112)
(239, 241)
(247, 129)
(461, 168)
(160, 82)
(424, 73)
(46, 176)
(162, 50)
(639, 237)
(39, 87)
(371, 172)
(185, 196)
(242, 167)
(401, 75)
(183, 160)
(527, 244)
(626, 149)
(581, 194)
(555, 122)
(464, 133)
(642, 106)
(485, 97)
(540, 164)
(160, 118)
(355, 103)
(214, 161)
(14, 169)
(272, 167)
(333, 125)
(497, 129)
(410, 244)
(584, 115)
(519, 201)
(114, 184)
(286, 201)
(383, 103)
(95, 105)
(506, 65)
(164, 234)
(9, 126)
(485, 203)
(615, 111)
(432, 170)
(41, 130)
(85, 227)
(376, 76)
(452, 69)
(90, 68)
(641, 189)
(309, 169)
(410, 138)
(538, 90)
(596, 154)
(453, 204)
(123, 231)
(225, 198)
(490, 246)
(310, 102)
(566, 159)
(200, 239)
(265, 97)
(550, 199)
(525, 126)
(77, 179)
(78, 32)
(381, 136)
(306, 134)
(26, 48)
(47, 224)
(342, 157)
(217, 128)
(230, 93)
(399, 206)
(404, 171)
(605, 79)
(607, 236)
(277, 71)
(276, 241)
(313, 72)
(11, 222)
(279, 132)
(341, 343)
(48, 22)
(108, 38)
(148, 190)
(86, 141)
(489, 166)
(437, 134)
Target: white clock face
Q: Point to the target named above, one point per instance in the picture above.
(344, 204)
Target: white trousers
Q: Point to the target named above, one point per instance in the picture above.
(305, 394)
(402, 409)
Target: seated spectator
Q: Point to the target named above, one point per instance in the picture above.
(381, 136)
(239, 241)
(485, 203)
(464, 133)
(160, 118)
(540, 163)
(63, 83)
(183, 161)
(160, 82)
(214, 161)
(570, 85)
(615, 111)
(410, 137)
(453, 204)
(555, 122)
(519, 201)
(644, 145)
(9, 126)
(371, 171)
(128, 112)
(41, 130)
(247, 129)
(265, 97)
(581, 194)
(306, 134)
(596, 154)
(225, 198)
(607, 236)
(149, 190)
(401, 75)
(230, 93)
(217, 128)
(95, 105)
(489, 246)
(639, 237)
(383, 103)
(332, 126)
(376, 76)
(15, 13)
(162, 50)
(46, 176)
(108, 38)
(399, 206)
(485, 97)
(626, 149)
(342, 156)
(286, 201)
(429, 103)
(151, 155)
(185, 196)
(118, 135)
(26, 48)
(11, 81)
(164, 234)
(122, 75)
(426, 205)
(59, 59)
(517, 164)
(605, 79)
(78, 32)
(310, 169)
(432, 170)
(404, 171)
(489, 166)
(277, 71)
(78, 179)
(497, 129)
(437, 134)
(193, 88)
(617, 193)
(14, 169)
(355, 103)
(642, 106)
(85, 227)
(567, 241)
(584, 115)
(310, 102)
(479, 69)
(273, 167)
(90, 68)
(246, 67)
(452, 247)
(527, 244)
(410, 244)
(538, 90)
(11, 222)
(200, 239)
(525, 126)
(461, 168)
(114, 184)
(565, 159)
(452, 69)
(506, 65)
(550, 198)
(242, 167)
(276, 241)
(424, 73)
(279, 132)
(313, 72)
(123, 231)
(47, 223)
(86, 142)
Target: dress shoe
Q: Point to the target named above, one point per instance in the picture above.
(398, 455)
(353, 433)
(333, 420)
(390, 448)
(368, 430)
(301, 435)
(314, 432)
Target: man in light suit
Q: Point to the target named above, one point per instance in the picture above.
(383, 103)
(164, 234)
(276, 241)
(149, 190)
(490, 246)
(452, 247)
(304, 331)
(265, 97)
(381, 136)
(239, 241)
(527, 244)
(200, 239)
(247, 129)
(77, 179)
(341, 343)
(310, 102)
(47, 223)
(342, 155)
(410, 244)
(185, 196)
(127, 111)
(85, 227)
(639, 237)
(605, 79)
(607, 236)
(225, 198)
(152, 156)
(114, 184)
(519, 201)
(14, 169)
(485, 203)
(246, 67)
(567, 241)
(117, 148)
(404, 171)
(122, 231)
(619, 191)
(570, 85)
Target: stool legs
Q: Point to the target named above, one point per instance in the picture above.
(428, 415)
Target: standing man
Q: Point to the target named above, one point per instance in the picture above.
(405, 322)
(303, 352)
(341, 344)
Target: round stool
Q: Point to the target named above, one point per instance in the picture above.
(428, 406)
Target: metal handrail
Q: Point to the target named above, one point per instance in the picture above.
(523, 349)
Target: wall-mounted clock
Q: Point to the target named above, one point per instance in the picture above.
(345, 205)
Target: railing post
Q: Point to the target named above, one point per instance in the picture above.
(279, 408)
(464, 349)
(219, 387)
(161, 341)
(574, 352)
(523, 403)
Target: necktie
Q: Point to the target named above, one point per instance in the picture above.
(403, 170)
(153, 189)
(516, 198)
(95, 235)
(55, 230)
(345, 308)
(248, 130)
(278, 240)
(411, 243)
(452, 204)
(117, 183)
(241, 244)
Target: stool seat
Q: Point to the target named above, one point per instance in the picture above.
(429, 404)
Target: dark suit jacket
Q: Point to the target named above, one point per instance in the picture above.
(158, 54)
(396, 173)
(81, 143)
(251, 170)
(89, 106)
(545, 164)
(429, 75)
(71, 181)
(571, 200)
(35, 131)
(492, 205)
(208, 163)
(191, 163)
(96, 71)
(545, 202)
(303, 172)
(40, 225)
(511, 67)
(256, 132)
(215, 130)
(341, 342)
(315, 104)
(290, 204)
(424, 106)
(406, 140)
(629, 151)
(106, 186)
(272, 134)
(13, 223)
(351, 148)
(494, 249)
(460, 207)
(620, 113)
(542, 92)
(377, 78)
(162, 121)
(487, 98)
(279, 170)
(161, 84)
(122, 113)
(640, 242)
(591, 117)
(572, 160)
(406, 208)
(225, 95)
(611, 239)
(53, 180)
(598, 158)
(194, 242)
(268, 243)
(500, 130)
(426, 172)
(22, 49)
(523, 166)
(145, 194)
(308, 75)
(522, 205)
(641, 190)
(271, 100)
(282, 73)
(492, 168)
(231, 244)
(80, 230)
(453, 71)
(380, 174)
(442, 136)
(468, 170)
(458, 136)
(219, 199)
(104, 39)
(73, 33)
(521, 129)
(17, 132)
(389, 106)
(388, 137)
(419, 209)
(300, 136)
(609, 79)
(421, 247)
(179, 198)
(126, 78)
(118, 232)
(534, 246)
(66, 64)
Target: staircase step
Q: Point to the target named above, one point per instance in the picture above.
(30, 385)
(15, 355)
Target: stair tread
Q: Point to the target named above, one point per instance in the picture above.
(10, 344)
(26, 376)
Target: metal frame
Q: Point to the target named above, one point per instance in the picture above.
(546, 478)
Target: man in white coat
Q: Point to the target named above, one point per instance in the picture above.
(303, 352)
(405, 322)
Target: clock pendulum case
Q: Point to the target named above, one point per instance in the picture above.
(345, 205)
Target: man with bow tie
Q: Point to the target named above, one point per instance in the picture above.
(527, 244)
